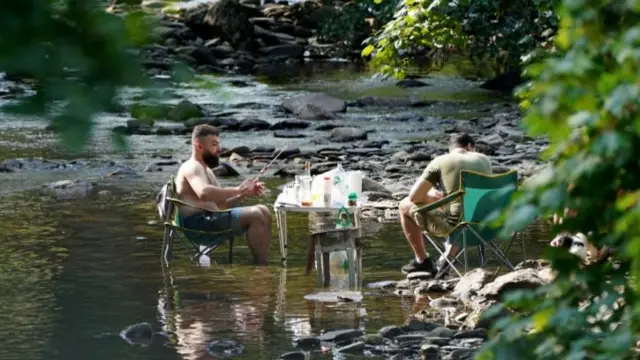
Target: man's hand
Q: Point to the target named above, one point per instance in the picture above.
(247, 187)
(258, 188)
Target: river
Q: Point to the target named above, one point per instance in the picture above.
(76, 272)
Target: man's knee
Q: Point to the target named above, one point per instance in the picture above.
(264, 210)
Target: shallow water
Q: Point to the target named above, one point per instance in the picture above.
(77, 272)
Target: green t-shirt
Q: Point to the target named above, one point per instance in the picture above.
(445, 170)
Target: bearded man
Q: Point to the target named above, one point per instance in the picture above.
(196, 184)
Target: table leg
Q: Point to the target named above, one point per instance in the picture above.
(351, 261)
(280, 235)
(285, 239)
(358, 214)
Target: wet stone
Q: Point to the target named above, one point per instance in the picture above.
(373, 339)
(390, 331)
(340, 335)
(442, 332)
(307, 343)
(440, 341)
(294, 355)
(389, 284)
(475, 333)
(430, 352)
(411, 338)
(356, 347)
(225, 348)
(417, 325)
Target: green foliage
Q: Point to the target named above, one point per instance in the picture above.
(586, 99)
(350, 26)
(424, 33)
(76, 54)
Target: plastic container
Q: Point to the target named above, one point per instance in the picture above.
(338, 190)
(326, 191)
(354, 182)
(306, 198)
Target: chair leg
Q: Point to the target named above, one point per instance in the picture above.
(481, 254)
(494, 248)
(435, 245)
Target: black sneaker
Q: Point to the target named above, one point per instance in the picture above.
(413, 266)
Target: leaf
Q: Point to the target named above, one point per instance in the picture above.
(367, 50)
(521, 217)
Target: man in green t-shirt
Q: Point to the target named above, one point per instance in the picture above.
(443, 172)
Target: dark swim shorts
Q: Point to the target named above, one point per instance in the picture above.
(215, 222)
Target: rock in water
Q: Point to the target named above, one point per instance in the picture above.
(314, 107)
(185, 110)
(225, 348)
(225, 170)
(347, 134)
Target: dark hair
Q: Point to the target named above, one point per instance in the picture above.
(204, 130)
(463, 140)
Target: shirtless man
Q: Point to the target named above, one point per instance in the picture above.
(197, 184)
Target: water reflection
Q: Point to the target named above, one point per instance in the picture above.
(75, 272)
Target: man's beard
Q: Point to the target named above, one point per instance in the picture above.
(211, 160)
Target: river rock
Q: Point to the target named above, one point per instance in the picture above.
(314, 106)
(253, 124)
(149, 112)
(430, 352)
(356, 347)
(282, 51)
(225, 348)
(287, 134)
(471, 283)
(369, 184)
(225, 170)
(338, 336)
(391, 102)
(347, 134)
(226, 19)
(290, 124)
(308, 342)
(293, 355)
(411, 83)
(519, 279)
(185, 110)
(405, 117)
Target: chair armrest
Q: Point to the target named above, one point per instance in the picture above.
(444, 201)
(186, 203)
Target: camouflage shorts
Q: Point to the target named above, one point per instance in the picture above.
(433, 222)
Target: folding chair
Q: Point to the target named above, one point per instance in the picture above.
(481, 195)
(167, 205)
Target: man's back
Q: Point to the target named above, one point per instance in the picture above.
(445, 169)
(452, 163)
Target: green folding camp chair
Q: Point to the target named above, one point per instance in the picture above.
(201, 241)
(481, 195)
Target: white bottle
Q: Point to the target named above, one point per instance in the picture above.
(338, 195)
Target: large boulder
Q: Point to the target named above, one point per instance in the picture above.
(226, 19)
(184, 111)
(516, 280)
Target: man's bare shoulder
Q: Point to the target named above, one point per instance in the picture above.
(188, 167)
